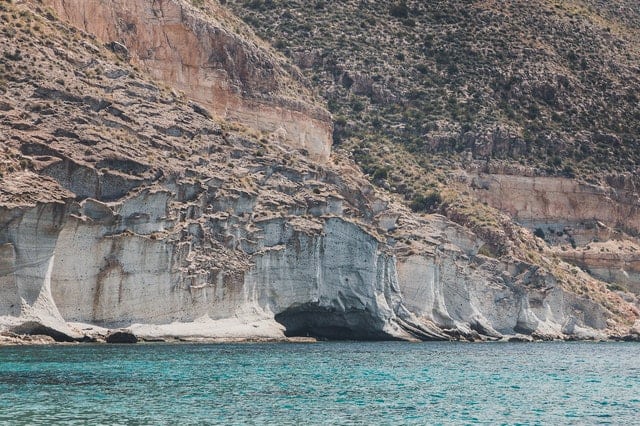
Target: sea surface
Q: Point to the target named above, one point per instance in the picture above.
(386, 383)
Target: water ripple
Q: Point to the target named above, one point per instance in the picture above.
(336, 383)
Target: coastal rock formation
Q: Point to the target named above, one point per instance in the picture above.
(322, 275)
(540, 201)
(125, 206)
(198, 53)
(425, 93)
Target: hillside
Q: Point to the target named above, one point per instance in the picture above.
(547, 86)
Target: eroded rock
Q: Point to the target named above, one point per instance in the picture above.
(172, 226)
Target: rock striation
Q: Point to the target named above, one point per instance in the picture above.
(536, 201)
(152, 258)
(126, 210)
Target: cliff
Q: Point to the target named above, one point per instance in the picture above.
(199, 54)
(124, 204)
(589, 225)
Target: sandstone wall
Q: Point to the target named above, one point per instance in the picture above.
(539, 200)
(594, 227)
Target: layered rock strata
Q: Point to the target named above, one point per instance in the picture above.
(536, 201)
(155, 257)
(592, 226)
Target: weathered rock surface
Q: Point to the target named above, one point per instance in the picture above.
(322, 276)
(123, 206)
(201, 54)
(550, 200)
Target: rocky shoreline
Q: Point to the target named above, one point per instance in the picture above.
(150, 334)
(41, 340)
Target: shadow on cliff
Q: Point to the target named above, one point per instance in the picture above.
(311, 320)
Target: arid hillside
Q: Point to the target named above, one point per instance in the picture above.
(530, 108)
(550, 86)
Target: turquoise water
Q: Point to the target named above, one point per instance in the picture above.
(322, 383)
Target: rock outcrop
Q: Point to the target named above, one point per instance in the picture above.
(199, 53)
(592, 226)
(124, 205)
(154, 258)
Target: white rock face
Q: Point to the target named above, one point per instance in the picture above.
(26, 275)
(339, 283)
(130, 263)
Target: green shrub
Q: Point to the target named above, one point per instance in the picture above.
(399, 10)
(616, 287)
(381, 173)
(426, 203)
(487, 251)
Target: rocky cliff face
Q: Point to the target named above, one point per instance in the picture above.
(592, 226)
(163, 256)
(124, 204)
(198, 53)
(539, 201)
